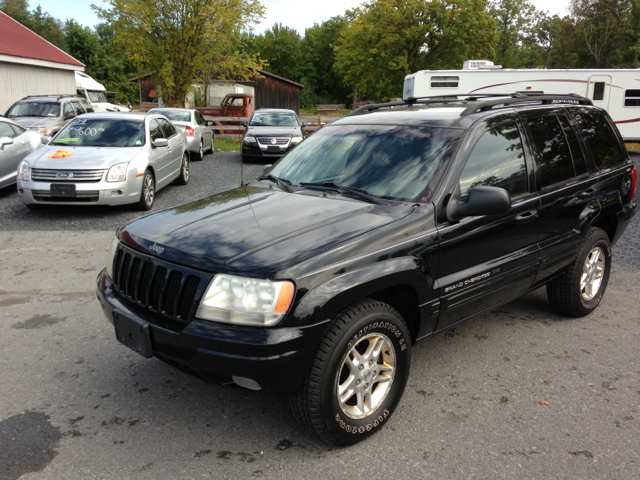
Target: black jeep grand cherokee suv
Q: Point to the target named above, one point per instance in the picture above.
(381, 229)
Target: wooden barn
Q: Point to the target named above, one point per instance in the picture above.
(269, 91)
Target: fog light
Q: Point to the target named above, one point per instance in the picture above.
(246, 383)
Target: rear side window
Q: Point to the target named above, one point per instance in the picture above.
(551, 151)
(497, 160)
(199, 118)
(87, 106)
(602, 140)
(79, 108)
(579, 165)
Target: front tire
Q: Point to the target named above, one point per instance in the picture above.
(183, 178)
(580, 289)
(358, 375)
(200, 153)
(148, 192)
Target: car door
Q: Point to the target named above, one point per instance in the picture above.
(12, 153)
(489, 259)
(175, 144)
(565, 185)
(161, 157)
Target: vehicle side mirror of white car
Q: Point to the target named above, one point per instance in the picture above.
(45, 139)
(5, 141)
(160, 142)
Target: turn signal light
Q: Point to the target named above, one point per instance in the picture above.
(189, 132)
(284, 297)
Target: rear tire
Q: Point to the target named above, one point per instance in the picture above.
(148, 192)
(183, 178)
(580, 289)
(358, 375)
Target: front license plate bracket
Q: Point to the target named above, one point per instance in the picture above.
(133, 334)
(63, 190)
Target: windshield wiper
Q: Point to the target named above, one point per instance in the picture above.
(342, 189)
(282, 183)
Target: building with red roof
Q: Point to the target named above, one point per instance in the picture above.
(29, 65)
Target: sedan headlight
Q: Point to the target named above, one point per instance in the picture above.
(23, 171)
(112, 253)
(249, 139)
(40, 130)
(245, 301)
(117, 173)
(296, 139)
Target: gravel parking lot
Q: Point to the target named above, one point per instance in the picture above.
(74, 404)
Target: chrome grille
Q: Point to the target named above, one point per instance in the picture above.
(81, 196)
(166, 294)
(280, 141)
(45, 175)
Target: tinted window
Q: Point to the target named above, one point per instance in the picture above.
(6, 130)
(87, 106)
(79, 108)
(601, 138)
(387, 161)
(444, 81)
(632, 98)
(598, 91)
(199, 118)
(497, 160)
(101, 133)
(68, 110)
(166, 127)
(579, 164)
(274, 119)
(551, 150)
(154, 130)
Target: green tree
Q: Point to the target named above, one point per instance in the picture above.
(518, 21)
(388, 39)
(36, 20)
(184, 41)
(280, 47)
(82, 44)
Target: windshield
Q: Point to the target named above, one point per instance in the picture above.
(35, 109)
(174, 115)
(97, 97)
(390, 162)
(84, 132)
(271, 119)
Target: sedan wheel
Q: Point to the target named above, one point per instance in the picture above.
(148, 193)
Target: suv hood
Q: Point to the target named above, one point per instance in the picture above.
(274, 131)
(34, 121)
(81, 157)
(253, 231)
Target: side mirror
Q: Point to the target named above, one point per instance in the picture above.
(482, 200)
(45, 139)
(209, 123)
(267, 168)
(243, 124)
(160, 142)
(304, 124)
(5, 141)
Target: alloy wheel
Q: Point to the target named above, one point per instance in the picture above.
(592, 273)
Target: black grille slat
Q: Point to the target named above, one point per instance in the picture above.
(186, 298)
(171, 293)
(142, 294)
(161, 293)
(157, 287)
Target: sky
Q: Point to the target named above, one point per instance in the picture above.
(298, 14)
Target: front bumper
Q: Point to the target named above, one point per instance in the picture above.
(278, 359)
(256, 150)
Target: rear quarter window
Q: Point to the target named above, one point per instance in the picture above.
(601, 138)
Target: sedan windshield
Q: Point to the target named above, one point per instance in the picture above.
(271, 119)
(390, 162)
(35, 109)
(174, 115)
(101, 133)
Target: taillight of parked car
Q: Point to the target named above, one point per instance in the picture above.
(634, 182)
(189, 132)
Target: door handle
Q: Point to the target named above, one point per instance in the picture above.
(588, 193)
(530, 215)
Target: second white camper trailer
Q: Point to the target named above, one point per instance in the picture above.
(615, 90)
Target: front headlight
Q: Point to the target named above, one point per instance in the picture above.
(296, 139)
(245, 301)
(40, 130)
(117, 173)
(23, 171)
(112, 253)
(249, 139)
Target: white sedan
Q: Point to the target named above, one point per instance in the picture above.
(105, 159)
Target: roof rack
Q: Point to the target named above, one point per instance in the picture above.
(482, 102)
(57, 95)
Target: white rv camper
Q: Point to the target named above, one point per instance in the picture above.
(94, 92)
(615, 90)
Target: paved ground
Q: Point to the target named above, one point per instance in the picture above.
(74, 404)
